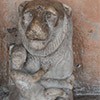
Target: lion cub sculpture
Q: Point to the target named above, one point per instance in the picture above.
(42, 65)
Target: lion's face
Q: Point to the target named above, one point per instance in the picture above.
(40, 23)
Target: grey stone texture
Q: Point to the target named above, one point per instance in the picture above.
(42, 64)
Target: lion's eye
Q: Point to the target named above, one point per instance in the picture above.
(48, 15)
(27, 18)
(51, 18)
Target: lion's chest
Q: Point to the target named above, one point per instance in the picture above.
(60, 66)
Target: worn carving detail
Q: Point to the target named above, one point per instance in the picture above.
(42, 65)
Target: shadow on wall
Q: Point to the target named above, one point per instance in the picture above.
(78, 47)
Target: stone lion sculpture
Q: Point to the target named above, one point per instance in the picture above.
(42, 65)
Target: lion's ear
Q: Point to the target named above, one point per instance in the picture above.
(68, 10)
(21, 7)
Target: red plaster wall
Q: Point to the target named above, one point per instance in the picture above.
(86, 39)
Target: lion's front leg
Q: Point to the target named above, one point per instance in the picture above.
(59, 89)
(24, 81)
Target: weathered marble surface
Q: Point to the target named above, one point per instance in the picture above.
(42, 64)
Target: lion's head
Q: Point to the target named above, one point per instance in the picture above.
(43, 25)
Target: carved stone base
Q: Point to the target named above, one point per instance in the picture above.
(50, 94)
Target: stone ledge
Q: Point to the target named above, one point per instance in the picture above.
(81, 91)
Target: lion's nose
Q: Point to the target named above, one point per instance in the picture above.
(36, 33)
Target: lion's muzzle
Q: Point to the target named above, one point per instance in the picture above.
(36, 33)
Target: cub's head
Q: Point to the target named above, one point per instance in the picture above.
(43, 25)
